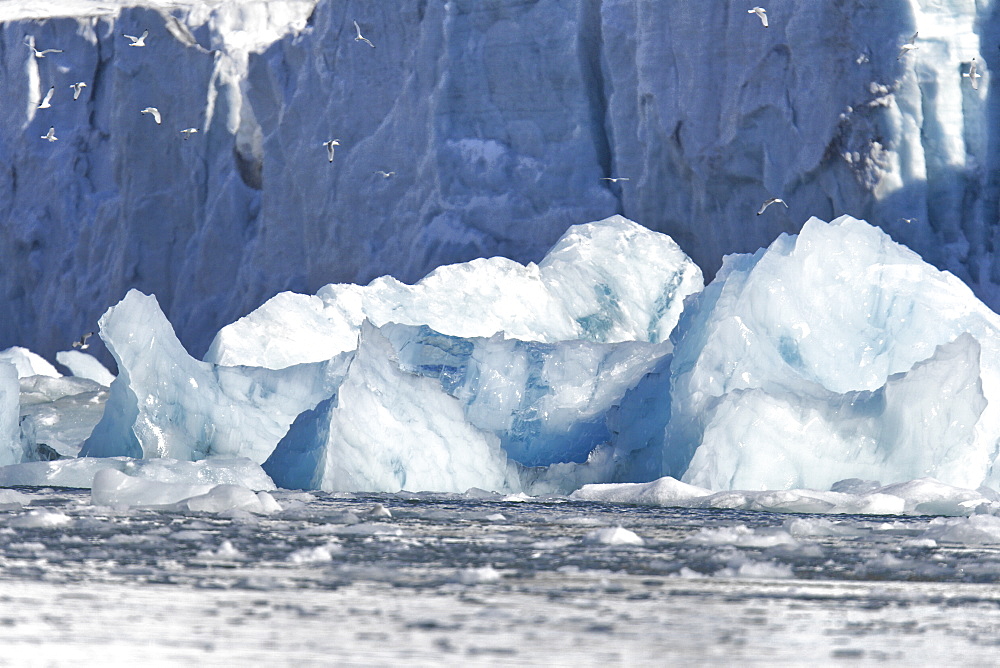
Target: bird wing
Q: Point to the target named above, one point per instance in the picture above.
(358, 28)
(48, 96)
(156, 115)
(131, 37)
(42, 53)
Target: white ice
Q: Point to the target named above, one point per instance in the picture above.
(164, 403)
(80, 472)
(606, 281)
(924, 496)
(111, 487)
(82, 365)
(835, 353)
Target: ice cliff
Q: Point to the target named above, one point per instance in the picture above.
(499, 121)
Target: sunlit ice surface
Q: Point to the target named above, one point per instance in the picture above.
(482, 579)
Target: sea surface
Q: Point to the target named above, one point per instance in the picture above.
(486, 580)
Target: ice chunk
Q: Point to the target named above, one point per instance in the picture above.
(387, 430)
(40, 519)
(11, 451)
(114, 488)
(222, 498)
(475, 576)
(612, 536)
(58, 414)
(80, 472)
(920, 422)
(607, 281)
(666, 491)
(835, 353)
(547, 402)
(975, 530)
(111, 487)
(928, 496)
(28, 363)
(82, 365)
(166, 404)
(12, 498)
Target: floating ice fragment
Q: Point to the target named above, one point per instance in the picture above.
(481, 575)
(225, 551)
(666, 491)
(40, 519)
(764, 570)
(612, 536)
(315, 555)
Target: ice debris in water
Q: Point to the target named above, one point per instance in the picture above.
(116, 489)
(80, 472)
(612, 536)
(611, 280)
(924, 496)
(40, 519)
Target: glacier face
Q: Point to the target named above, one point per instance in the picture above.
(499, 122)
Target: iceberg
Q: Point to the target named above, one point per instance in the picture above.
(834, 353)
(547, 402)
(164, 403)
(923, 496)
(607, 281)
(112, 487)
(58, 414)
(387, 430)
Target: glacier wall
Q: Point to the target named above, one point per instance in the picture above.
(499, 120)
